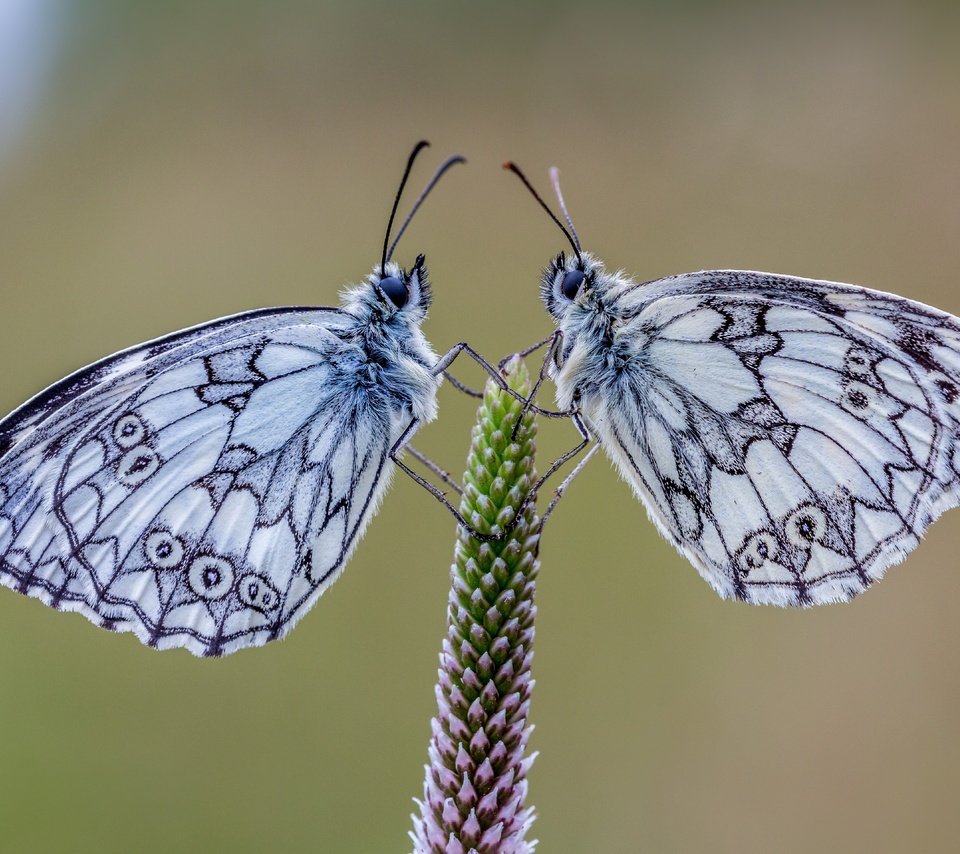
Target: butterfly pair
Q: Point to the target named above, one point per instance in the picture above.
(792, 438)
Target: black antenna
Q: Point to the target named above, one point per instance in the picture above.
(396, 202)
(450, 161)
(516, 171)
(555, 180)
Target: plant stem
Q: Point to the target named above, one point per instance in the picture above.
(476, 782)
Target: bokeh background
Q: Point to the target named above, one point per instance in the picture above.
(162, 164)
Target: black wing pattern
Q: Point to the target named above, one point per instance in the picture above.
(793, 438)
(201, 490)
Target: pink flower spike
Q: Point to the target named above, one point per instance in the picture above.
(475, 786)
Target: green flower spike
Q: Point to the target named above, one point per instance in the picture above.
(474, 795)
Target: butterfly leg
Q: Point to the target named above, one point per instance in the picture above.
(461, 387)
(394, 455)
(554, 340)
(450, 356)
(463, 347)
(439, 472)
(528, 350)
(565, 483)
(581, 423)
(574, 414)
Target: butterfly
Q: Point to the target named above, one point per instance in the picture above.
(791, 437)
(202, 490)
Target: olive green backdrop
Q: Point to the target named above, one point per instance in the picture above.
(183, 163)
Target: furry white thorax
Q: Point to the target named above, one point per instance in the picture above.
(391, 356)
(591, 325)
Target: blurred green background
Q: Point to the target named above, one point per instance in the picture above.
(162, 164)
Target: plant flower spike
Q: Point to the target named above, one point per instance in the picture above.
(474, 794)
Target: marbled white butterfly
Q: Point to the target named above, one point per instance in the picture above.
(791, 437)
(204, 489)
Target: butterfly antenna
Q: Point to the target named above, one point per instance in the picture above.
(555, 180)
(396, 202)
(512, 167)
(450, 161)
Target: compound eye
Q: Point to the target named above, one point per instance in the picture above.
(395, 289)
(570, 286)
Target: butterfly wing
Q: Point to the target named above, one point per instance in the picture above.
(793, 438)
(201, 490)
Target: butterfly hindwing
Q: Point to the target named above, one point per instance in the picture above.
(793, 438)
(200, 491)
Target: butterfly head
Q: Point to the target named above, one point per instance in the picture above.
(392, 292)
(572, 283)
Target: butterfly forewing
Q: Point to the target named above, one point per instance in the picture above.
(201, 490)
(793, 438)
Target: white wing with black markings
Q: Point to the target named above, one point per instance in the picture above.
(793, 438)
(201, 490)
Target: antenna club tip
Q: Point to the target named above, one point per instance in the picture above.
(509, 165)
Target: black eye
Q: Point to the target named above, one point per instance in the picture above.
(395, 289)
(571, 283)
